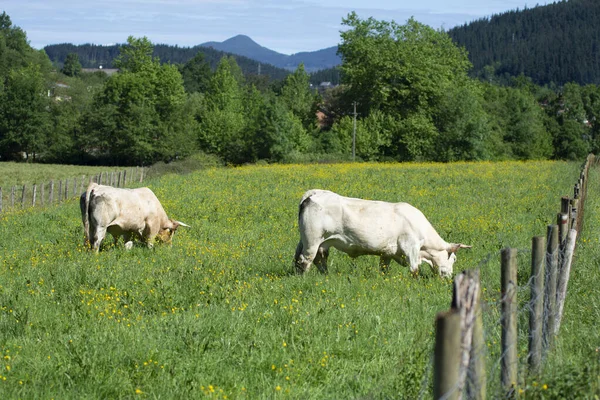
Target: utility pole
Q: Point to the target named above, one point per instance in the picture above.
(354, 133)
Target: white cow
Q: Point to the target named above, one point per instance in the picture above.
(358, 227)
(124, 212)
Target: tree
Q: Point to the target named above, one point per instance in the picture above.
(196, 74)
(23, 115)
(136, 118)
(417, 76)
(72, 66)
(223, 122)
(298, 96)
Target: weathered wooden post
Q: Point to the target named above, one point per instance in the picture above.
(124, 177)
(447, 355)
(508, 289)
(66, 189)
(23, 196)
(59, 197)
(550, 284)
(536, 312)
(119, 180)
(12, 197)
(141, 174)
(75, 187)
(565, 208)
(51, 192)
(33, 195)
(81, 188)
(563, 278)
(466, 299)
(42, 186)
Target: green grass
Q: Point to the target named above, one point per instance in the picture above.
(220, 313)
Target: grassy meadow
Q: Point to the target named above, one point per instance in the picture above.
(220, 314)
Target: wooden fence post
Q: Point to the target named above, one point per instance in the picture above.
(75, 187)
(124, 177)
(119, 180)
(447, 355)
(51, 192)
(23, 196)
(59, 197)
(12, 197)
(508, 289)
(81, 187)
(42, 193)
(536, 312)
(66, 189)
(563, 278)
(550, 284)
(141, 174)
(466, 299)
(34, 195)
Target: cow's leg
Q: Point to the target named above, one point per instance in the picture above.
(384, 263)
(297, 264)
(128, 241)
(412, 255)
(321, 259)
(307, 255)
(98, 237)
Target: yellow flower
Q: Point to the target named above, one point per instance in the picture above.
(544, 386)
(138, 391)
(278, 388)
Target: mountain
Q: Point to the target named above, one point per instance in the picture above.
(244, 46)
(558, 42)
(91, 56)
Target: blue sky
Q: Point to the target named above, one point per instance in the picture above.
(285, 26)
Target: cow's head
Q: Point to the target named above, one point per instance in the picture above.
(166, 232)
(444, 260)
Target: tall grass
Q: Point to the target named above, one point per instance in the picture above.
(221, 315)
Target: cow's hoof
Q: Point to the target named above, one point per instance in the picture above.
(129, 245)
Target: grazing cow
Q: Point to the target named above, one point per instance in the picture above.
(124, 212)
(358, 227)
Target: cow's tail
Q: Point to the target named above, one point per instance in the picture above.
(305, 201)
(86, 214)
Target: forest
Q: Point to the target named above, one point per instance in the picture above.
(553, 44)
(426, 107)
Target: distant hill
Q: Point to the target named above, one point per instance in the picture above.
(558, 42)
(244, 46)
(92, 56)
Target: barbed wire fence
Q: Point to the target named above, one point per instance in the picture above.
(512, 329)
(56, 191)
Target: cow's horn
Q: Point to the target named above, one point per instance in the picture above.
(455, 246)
(182, 224)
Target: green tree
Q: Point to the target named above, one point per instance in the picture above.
(298, 96)
(72, 66)
(24, 119)
(417, 75)
(223, 122)
(135, 117)
(196, 74)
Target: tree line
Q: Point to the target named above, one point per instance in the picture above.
(410, 84)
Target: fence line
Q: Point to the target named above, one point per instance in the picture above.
(34, 195)
(551, 258)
